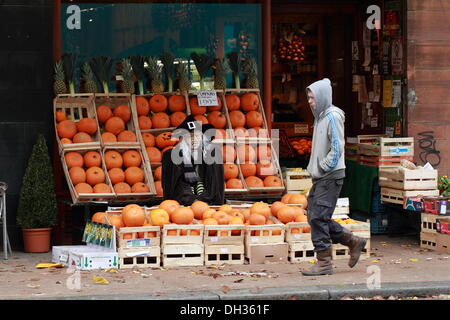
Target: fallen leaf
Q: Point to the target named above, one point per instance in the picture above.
(33, 286)
(225, 289)
(99, 280)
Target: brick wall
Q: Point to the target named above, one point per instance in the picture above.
(428, 24)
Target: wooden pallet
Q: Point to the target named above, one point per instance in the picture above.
(300, 251)
(397, 196)
(224, 235)
(404, 179)
(388, 147)
(141, 258)
(267, 253)
(376, 161)
(428, 240)
(428, 222)
(76, 107)
(183, 255)
(224, 254)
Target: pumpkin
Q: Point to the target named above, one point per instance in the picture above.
(115, 125)
(149, 139)
(104, 113)
(240, 132)
(299, 199)
(66, 129)
(101, 188)
(116, 175)
(165, 139)
(261, 208)
(182, 215)
(159, 217)
(246, 153)
(195, 108)
(99, 217)
(144, 122)
(256, 219)
(60, 116)
(142, 106)
(160, 120)
(177, 118)
(66, 141)
(169, 205)
(254, 119)
(83, 187)
(157, 173)
(87, 125)
(154, 155)
(233, 102)
(77, 175)
(133, 215)
(237, 119)
(201, 118)
(277, 205)
(272, 181)
(234, 183)
(113, 159)
(108, 137)
(126, 136)
(134, 175)
(123, 111)
(159, 188)
(286, 214)
(217, 119)
(228, 153)
(122, 187)
(74, 159)
(92, 159)
(131, 158)
(248, 169)
(95, 175)
(140, 187)
(264, 169)
(254, 182)
(81, 137)
(158, 103)
(230, 171)
(177, 103)
(117, 221)
(198, 207)
(249, 102)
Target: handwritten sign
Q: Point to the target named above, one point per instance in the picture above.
(207, 98)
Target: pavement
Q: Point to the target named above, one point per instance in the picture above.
(397, 267)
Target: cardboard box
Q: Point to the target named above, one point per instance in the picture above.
(443, 243)
(92, 258)
(267, 253)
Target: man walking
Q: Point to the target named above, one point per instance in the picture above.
(327, 169)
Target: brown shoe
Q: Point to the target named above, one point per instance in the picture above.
(323, 265)
(355, 244)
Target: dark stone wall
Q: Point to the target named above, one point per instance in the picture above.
(26, 64)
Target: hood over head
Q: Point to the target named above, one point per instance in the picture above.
(323, 94)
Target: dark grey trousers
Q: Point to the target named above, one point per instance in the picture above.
(321, 204)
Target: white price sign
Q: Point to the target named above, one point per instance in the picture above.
(207, 98)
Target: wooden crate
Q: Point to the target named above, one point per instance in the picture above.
(376, 161)
(428, 240)
(267, 253)
(297, 180)
(114, 100)
(151, 237)
(86, 197)
(300, 251)
(404, 179)
(224, 234)
(183, 255)
(140, 258)
(428, 222)
(262, 234)
(388, 147)
(224, 254)
(76, 107)
(148, 175)
(185, 234)
(397, 196)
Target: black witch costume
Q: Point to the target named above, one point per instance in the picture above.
(190, 179)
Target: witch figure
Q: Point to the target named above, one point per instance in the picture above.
(193, 169)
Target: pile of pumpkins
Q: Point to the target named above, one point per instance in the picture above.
(171, 212)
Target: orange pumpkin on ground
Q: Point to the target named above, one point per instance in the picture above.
(95, 175)
(265, 168)
(254, 119)
(158, 103)
(217, 119)
(272, 181)
(176, 103)
(81, 137)
(159, 188)
(182, 215)
(87, 125)
(133, 215)
(233, 102)
(246, 153)
(115, 125)
(198, 207)
(254, 182)
(157, 174)
(144, 122)
(234, 183)
(99, 217)
(77, 175)
(116, 175)
(83, 187)
(134, 175)
(126, 136)
(154, 155)
(140, 187)
(149, 139)
(92, 159)
(231, 171)
(160, 120)
(108, 137)
(169, 205)
(104, 113)
(201, 118)
(261, 208)
(177, 118)
(74, 159)
(122, 187)
(237, 119)
(132, 158)
(60, 116)
(248, 169)
(142, 106)
(66, 129)
(123, 111)
(195, 108)
(102, 188)
(249, 102)
(113, 159)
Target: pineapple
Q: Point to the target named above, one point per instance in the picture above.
(167, 59)
(184, 83)
(87, 76)
(155, 73)
(251, 72)
(203, 63)
(127, 74)
(220, 73)
(59, 85)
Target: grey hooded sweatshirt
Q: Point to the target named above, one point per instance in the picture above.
(327, 157)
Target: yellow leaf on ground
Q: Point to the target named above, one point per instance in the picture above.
(99, 280)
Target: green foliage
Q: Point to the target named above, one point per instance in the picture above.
(37, 201)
